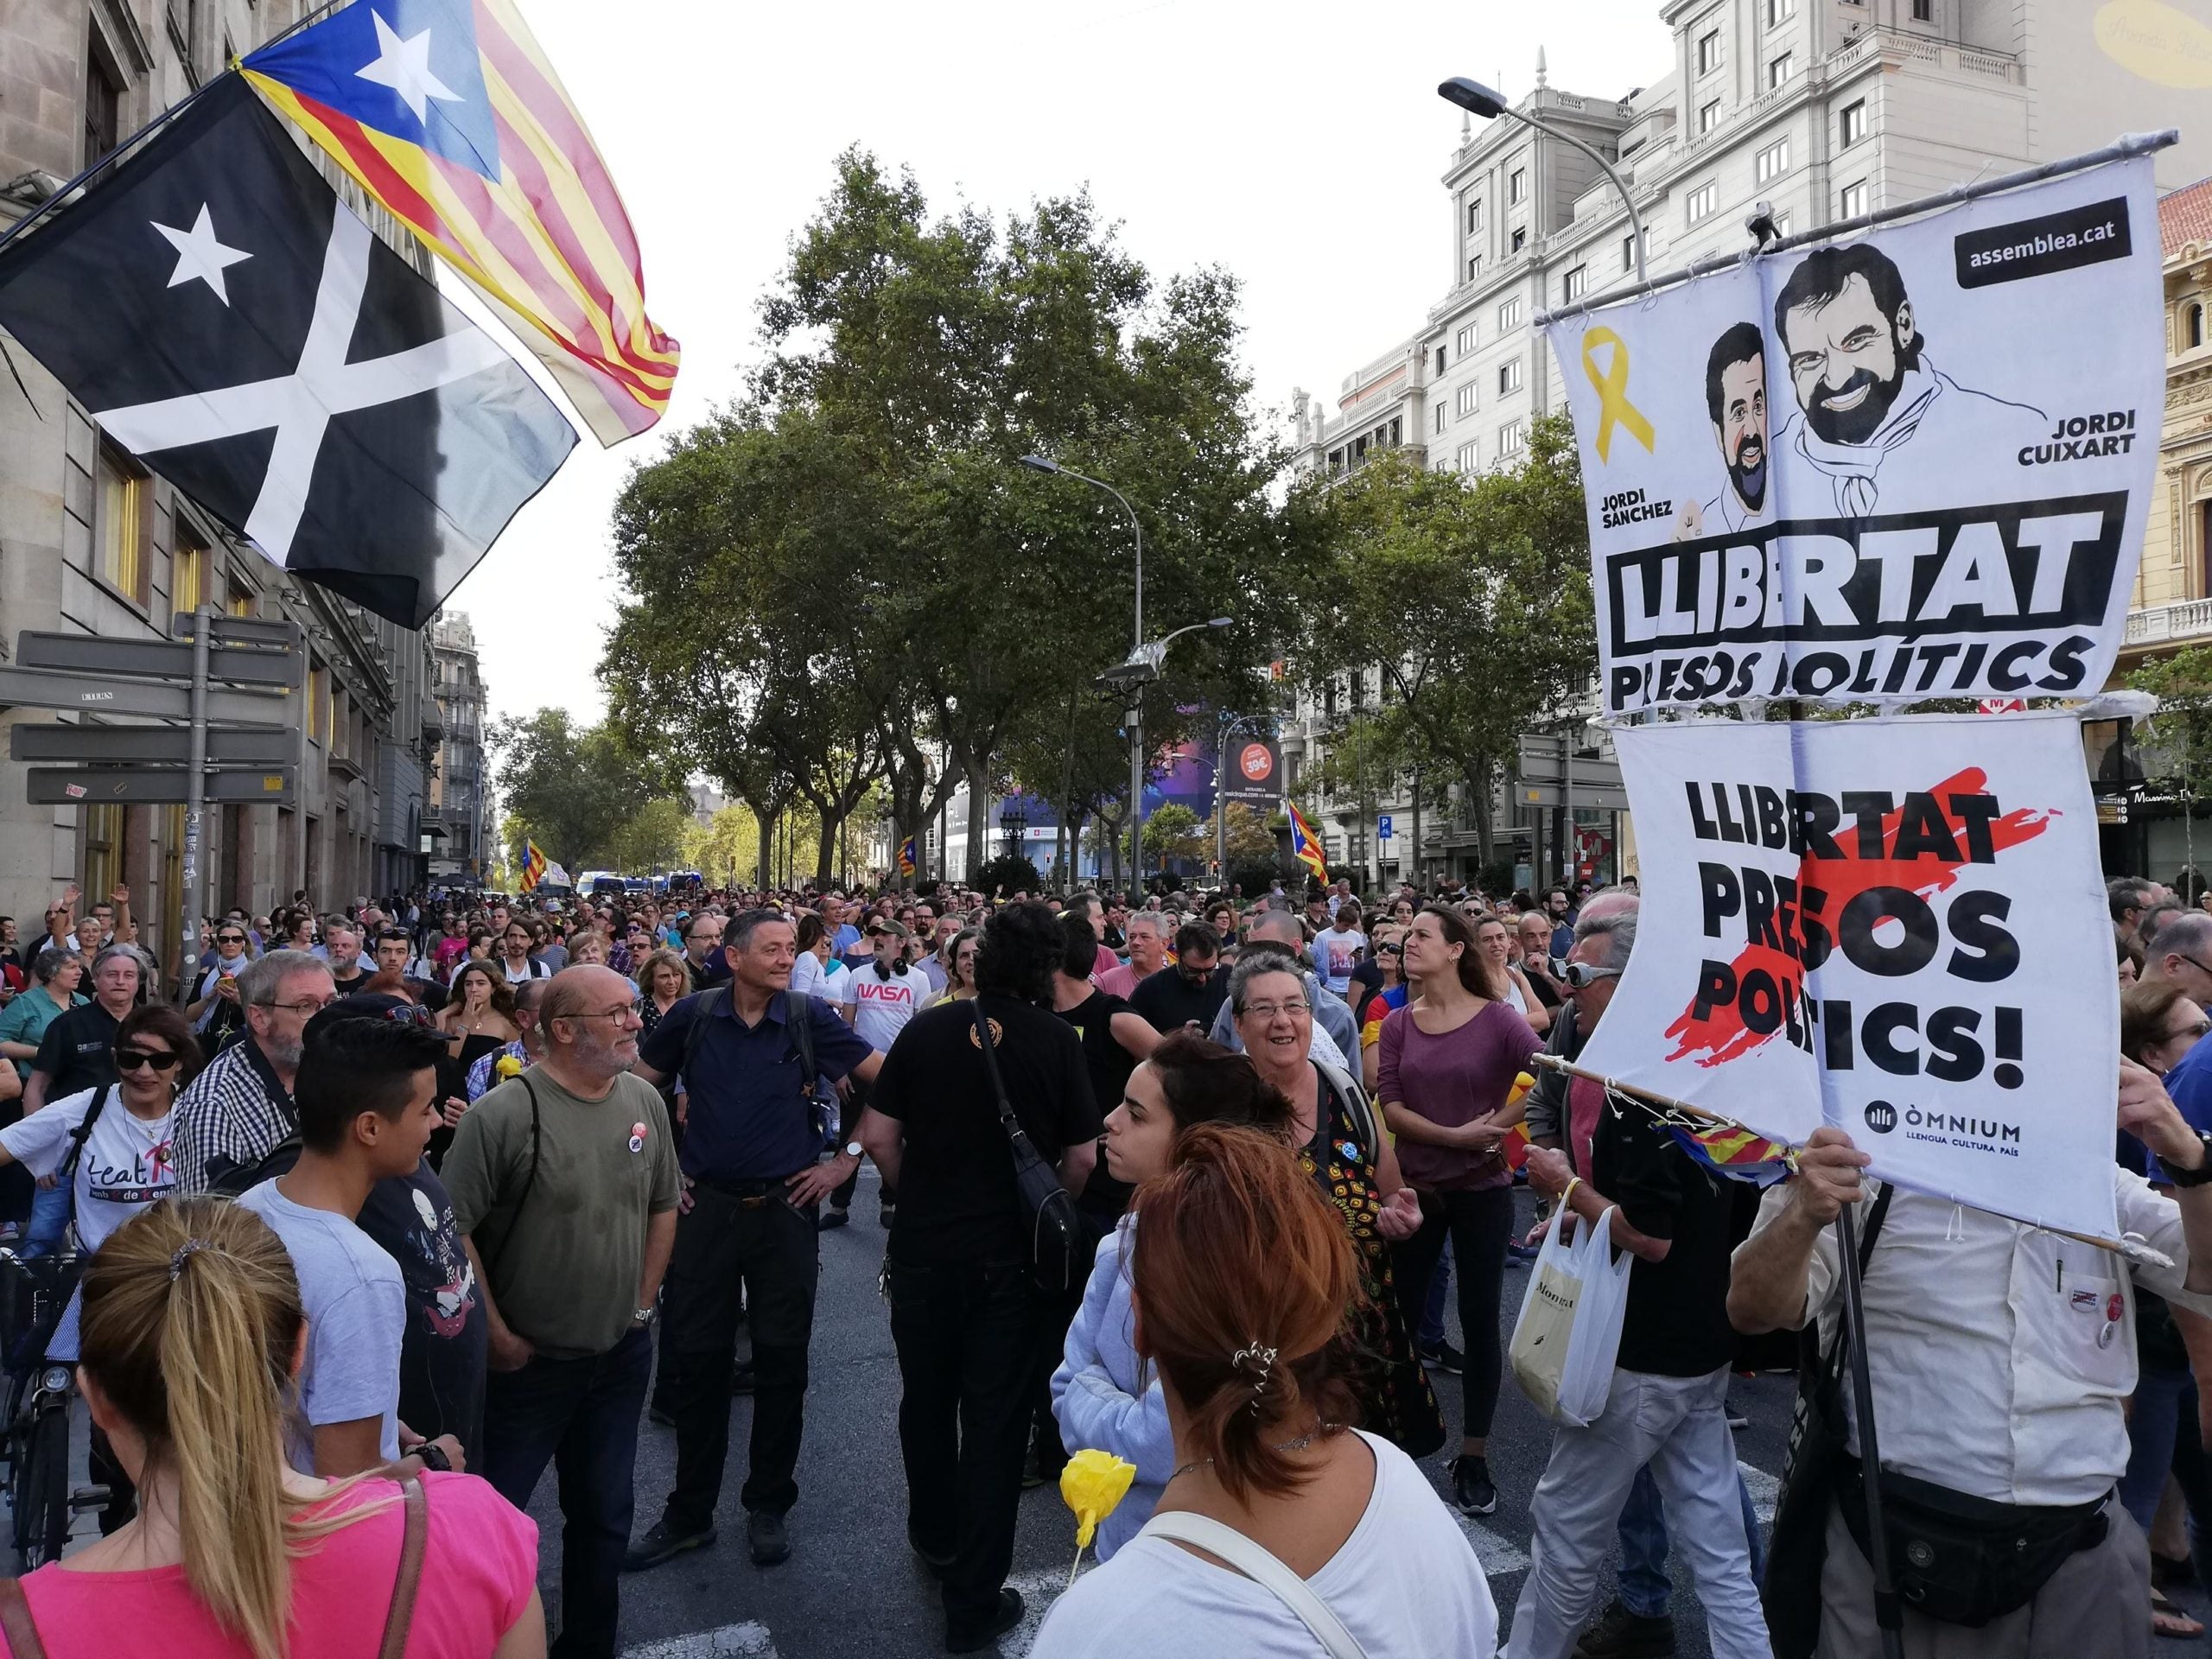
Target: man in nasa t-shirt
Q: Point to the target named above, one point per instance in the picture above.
(880, 999)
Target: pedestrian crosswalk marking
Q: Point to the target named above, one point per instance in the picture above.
(1766, 1492)
(1499, 1556)
(746, 1640)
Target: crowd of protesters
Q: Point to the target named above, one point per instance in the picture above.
(380, 1211)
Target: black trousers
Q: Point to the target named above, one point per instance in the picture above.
(750, 1249)
(1479, 1224)
(967, 1352)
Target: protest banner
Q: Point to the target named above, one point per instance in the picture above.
(1915, 464)
(1894, 926)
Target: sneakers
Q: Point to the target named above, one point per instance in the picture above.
(1441, 1355)
(974, 1638)
(832, 1216)
(769, 1539)
(1472, 1489)
(890, 1213)
(662, 1543)
(1623, 1635)
(1737, 1417)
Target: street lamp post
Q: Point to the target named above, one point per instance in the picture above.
(1478, 100)
(1045, 464)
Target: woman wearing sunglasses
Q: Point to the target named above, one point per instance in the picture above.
(112, 1145)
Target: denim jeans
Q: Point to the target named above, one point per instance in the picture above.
(2162, 1436)
(1679, 1426)
(1644, 1585)
(967, 1353)
(581, 1416)
(51, 1208)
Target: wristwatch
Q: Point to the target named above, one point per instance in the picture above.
(852, 1149)
(433, 1457)
(2197, 1177)
(645, 1316)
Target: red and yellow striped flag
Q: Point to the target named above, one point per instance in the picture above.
(448, 113)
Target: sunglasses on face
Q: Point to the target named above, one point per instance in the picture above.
(140, 1059)
(1580, 976)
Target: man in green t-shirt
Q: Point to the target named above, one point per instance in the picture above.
(564, 1181)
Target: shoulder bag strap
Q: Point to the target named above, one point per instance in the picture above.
(402, 1613)
(16, 1622)
(1878, 1212)
(1257, 1564)
(83, 1132)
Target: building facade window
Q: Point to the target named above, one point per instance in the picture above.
(318, 701)
(1474, 268)
(119, 524)
(103, 849)
(1474, 214)
(1773, 162)
(1782, 225)
(242, 601)
(187, 571)
(1465, 403)
(1511, 438)
(1780, 11)
(1703, 200)
(1464, 341)
(1851, 201)
(2193, 334)
(1851, 125)
(1509, 314)
(1708, 52)
(1923, 11)
(103, 108)
(1516, 185)
(1440, 417)
(1509, 375)
(1470, 456)
(1778, 71)
(1440, 360)
(1708, 116)
(1575, 283)
(1520, 238)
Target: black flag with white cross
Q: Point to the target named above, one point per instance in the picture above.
(222, 314)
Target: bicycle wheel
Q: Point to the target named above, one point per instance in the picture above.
(42, 1520)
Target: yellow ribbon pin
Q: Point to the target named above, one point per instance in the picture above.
(1613, 406)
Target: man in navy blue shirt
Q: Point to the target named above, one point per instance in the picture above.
(752, 1178)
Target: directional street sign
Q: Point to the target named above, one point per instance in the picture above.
(242, 631)
(156, 659)
(262, 785)
(33, 688)
(1598, 797)
(151, 746)
(1541, 762)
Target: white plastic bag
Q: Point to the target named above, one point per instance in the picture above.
(1569, 1331)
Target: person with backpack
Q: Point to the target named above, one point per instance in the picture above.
(1333, 1129)
(108, 1148)
(749, 1056)
(564, 1186)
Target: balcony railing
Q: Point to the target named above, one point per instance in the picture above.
(2188, 618)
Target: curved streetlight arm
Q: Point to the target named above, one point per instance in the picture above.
(1478, 100)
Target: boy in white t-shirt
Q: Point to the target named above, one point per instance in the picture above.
(1339, 948)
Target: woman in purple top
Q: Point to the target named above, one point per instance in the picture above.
(1447, 1061)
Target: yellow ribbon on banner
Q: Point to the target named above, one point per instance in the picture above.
(1613, 406)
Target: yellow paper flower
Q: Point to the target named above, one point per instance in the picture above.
(507, 1066)
(1093, 1484)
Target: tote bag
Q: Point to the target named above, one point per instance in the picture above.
(1569, 1331)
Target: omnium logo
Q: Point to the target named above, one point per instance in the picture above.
(1960, 1128)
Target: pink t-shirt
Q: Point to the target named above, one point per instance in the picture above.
(479, 1564)
(1452, 1078)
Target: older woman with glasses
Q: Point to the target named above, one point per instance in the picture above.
(57, 974)
(1336, 1135)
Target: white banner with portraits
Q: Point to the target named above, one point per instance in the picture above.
(1915, 464)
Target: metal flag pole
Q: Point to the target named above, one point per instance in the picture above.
(1889, 1609)
(195, 797)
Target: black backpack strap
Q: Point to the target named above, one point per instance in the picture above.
(529, 1181)
(798, 1020)
(695, 1028)
(83, 1132)
(1832, 1367)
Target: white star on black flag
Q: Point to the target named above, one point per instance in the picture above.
(224, 316)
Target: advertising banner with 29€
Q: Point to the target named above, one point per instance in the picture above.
(1914, 464)
(1896, 926)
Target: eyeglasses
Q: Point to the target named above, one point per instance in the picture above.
(1269, 1010)
(1581, 975)
(2194, 1032)
(633, 1010)
(139, 1059)
(306, 1007)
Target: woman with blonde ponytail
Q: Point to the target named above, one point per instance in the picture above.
(192, 1336)
(1283, 1530)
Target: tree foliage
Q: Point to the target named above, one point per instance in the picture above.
(1173, 832)
(573, 788)
(1472, 594)
(2179, 754)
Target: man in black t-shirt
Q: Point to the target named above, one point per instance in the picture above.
(965, 1314)
(78, 1050)
(1190, 991)
(1668, 1406)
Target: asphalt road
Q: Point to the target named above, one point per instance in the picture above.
(853, 1588)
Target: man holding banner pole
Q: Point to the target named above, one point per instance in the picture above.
(2000, 1356)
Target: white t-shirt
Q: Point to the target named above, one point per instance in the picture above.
(1405, 1582)
(882, 1007)
(1335, 954)
(532, 967)
(809, 976)
(125, 1166)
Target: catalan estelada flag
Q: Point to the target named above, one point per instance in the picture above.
(448, 114)
(533, 864)
(1305, 845)
(906, 856)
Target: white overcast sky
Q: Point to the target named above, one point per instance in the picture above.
(1298, 145)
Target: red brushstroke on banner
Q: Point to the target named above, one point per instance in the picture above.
(1722, 1036)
